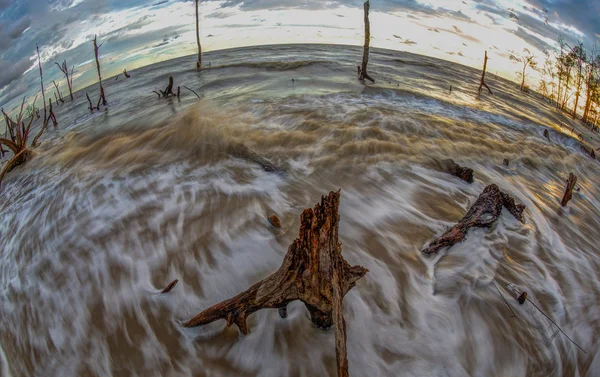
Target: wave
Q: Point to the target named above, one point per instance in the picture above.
(273, 65)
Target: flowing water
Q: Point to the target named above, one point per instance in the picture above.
(116, 204)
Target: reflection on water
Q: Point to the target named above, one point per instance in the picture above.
(117, 204)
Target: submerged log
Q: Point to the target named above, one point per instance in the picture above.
(451, 167)
(482, 214)
(313, 271)
(571, 182)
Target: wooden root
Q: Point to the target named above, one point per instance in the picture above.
(482, 214)
(571, 182)
(18, 159)
(313, 271)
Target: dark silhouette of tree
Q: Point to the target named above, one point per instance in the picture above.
(102, 98)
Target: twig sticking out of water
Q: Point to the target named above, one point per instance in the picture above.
(185, 87)
(506, 302)
(557, 326)
(170, 286)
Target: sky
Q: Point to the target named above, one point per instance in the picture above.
(136, 33)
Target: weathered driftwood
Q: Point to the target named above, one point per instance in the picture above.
(169, 287)
(571, 182)
(482, 214)
(451, 167)
(363, 74)
(191, 90)
(242, 151)
(313, 271)
(482, 82)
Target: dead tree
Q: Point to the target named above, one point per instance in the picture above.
(102, 97)
(482, 214)
(41, 79)
(65, 69)
(313, 271)
(60, 97)
(365, 60)
(51, 115)
(482, 83)
(571, 182)
(19, 136)
(168, 92)
(199, 62)
(127, 75)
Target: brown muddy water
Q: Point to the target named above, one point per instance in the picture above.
(118, 203)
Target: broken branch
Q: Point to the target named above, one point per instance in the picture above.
(571, 182)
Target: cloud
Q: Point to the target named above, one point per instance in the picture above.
(10, 71)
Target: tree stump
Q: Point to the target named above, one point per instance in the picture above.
(313, 271)
(482, 214)
(571, 182)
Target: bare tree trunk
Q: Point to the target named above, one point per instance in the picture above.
(482, 83)
(96, 48)
(363, 73)
(41, 79)
(199, 62)
(523, 81)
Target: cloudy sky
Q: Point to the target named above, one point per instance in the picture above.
(137, 33)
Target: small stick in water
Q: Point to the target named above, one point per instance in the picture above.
(185, 87)
(554, 323)
(170, 286)
(569, 189)
(506, 302)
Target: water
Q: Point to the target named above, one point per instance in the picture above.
(118, 203)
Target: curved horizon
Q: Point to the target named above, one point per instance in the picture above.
(139, 33)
